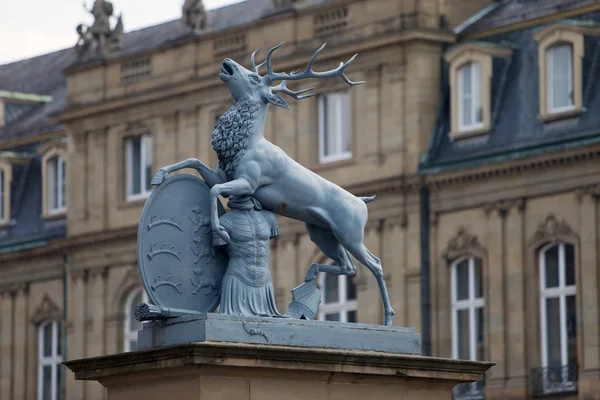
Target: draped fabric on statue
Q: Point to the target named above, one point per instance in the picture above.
(246, 288)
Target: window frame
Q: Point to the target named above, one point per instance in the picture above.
(340, 154)
(128, 333)
(128, 153)
(472, 304)
(54, 361)
(60, 183)
(562, 291)
(550, 78)
(343, 306)
(476, 94)
(458, 56)
(5, 195)
(553, 35)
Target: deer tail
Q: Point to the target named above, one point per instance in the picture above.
(368, 199)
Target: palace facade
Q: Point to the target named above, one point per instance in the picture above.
(477, 185)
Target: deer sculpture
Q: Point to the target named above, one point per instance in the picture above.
(251, 165)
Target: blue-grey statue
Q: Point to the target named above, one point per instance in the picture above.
(250, 165)
(246, 288)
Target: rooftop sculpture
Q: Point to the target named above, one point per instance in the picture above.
(99, 39)
(267, 179)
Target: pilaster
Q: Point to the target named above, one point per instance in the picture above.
(393, 261)
(77, 332)
(495, 301)
(588, 282)
(370, 306)
(96, 312)
(515, 296)
(21, 325)
(6, 343)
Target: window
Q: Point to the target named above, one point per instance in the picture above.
(5, 177)
(49, 360)
(468, 319)
(3, 217)
(338, 298)
(56, 185)
(470, 109)
(558, 316)
(138, 164)
(559, 62)
(132, 326)
(335, 130)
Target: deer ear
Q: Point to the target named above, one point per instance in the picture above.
(277, 101)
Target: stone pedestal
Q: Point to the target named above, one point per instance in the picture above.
(241, 369)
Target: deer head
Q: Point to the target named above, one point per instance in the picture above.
(245, 84)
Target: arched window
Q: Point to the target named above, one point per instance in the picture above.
(467, 318)
(559, 64)
(558, 314)
(470, 107)
(49, 360)
(131, 325)
(338, 298)
(56, 185)
(467, 309)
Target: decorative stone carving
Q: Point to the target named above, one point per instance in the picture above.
(503, 207)
(46, 311)
(194, 16)
(250, 166)
(551, 230)
(463, 244)
(99, 39)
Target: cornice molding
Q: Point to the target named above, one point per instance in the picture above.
(490, 170)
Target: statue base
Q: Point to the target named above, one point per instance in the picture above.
(241, 371)
(212, 327)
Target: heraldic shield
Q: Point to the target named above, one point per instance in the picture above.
(180, 268)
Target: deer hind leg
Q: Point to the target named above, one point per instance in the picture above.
(352, 240)
(331, 247)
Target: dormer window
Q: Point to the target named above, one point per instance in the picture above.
(560, 55)
(54, 173)
(471, 67)
(56, 185)
(559, 77)
(469, 103)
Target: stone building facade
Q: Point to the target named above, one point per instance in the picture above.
(512, 174)
(68, 267)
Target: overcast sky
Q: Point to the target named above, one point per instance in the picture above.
(33, 27)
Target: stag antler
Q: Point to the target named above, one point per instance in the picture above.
(282, 88)
(255, 67)
(308, 71)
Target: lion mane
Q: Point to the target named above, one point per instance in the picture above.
(231, 134)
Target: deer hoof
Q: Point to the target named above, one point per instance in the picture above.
(159, 177)
(310, 274)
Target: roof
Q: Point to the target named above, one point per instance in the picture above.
(508, 12)
(43, 75)
(515, 127)
(27, 225)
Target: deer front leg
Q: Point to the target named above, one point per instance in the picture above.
(237, 187)
(210, 177)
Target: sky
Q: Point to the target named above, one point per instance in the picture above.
(30, 28)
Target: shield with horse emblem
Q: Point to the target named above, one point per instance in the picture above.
(180, 268)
